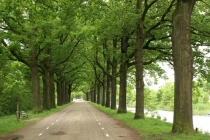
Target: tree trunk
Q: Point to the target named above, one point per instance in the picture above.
(59, 89)
(98, 93)
(183, 67)
(139, 52)
(108, 86)
(63, 95)
(35, 80)
(123, 76)
(87, 96)
(114, 76)
(104, 92)
(92, 95)
(70, 90)
(59, 84)
(52, 88)
(95, 91)
(66, 93)
(46, 89)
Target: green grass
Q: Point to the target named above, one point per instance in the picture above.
(150, 128)
(9, 123)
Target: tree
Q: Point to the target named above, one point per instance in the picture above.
(183, 67)
(139, 65)
(15, 88)
(147, 33)
(19, 27)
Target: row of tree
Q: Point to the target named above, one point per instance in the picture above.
(44, 36)
(132, 36)
(96, 45)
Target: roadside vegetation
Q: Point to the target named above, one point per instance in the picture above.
(10, 124)
(151, 128)
(163, 98)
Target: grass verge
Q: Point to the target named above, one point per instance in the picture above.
(150, 128)
(9, 123)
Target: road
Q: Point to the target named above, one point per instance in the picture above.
(200, 122)
(79, 121)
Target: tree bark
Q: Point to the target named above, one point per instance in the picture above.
(139, 52)
(98, 93)
(35, 81)
(104, 91)
(66, 99)
(114, 76)
(183, 67)
(59, 84)
(46, 90)
(52, 88)
(107, 86)
(59, 88)
(63, 91)
(94, 93)
(70, 91)
(123, 76)
(48, 83)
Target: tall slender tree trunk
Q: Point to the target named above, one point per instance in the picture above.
(63, 89)
(107, 86)
(114, 76)
(95, 92)
(183, 67)
(70, 91)
(98, 93)
(66, 99)
(123, 76)
(59, 88)
(104, 92)
(52, 88)
(139, 52)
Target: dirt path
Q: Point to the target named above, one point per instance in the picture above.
(80, 121)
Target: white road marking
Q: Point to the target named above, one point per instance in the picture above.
(107, 135)
(52, 123)
(40, 134)
(99, 123)
(96, 120)
(102, 128)
(56, 120)
(47, 128)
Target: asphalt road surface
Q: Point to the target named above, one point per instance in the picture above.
(79, 121)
